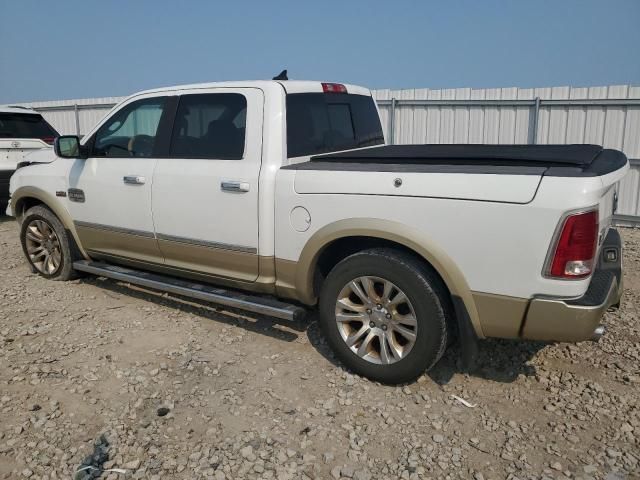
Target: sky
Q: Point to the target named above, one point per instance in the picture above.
(79, 49)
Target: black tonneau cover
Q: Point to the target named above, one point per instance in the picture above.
(553, 160)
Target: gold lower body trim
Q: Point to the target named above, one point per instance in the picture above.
(500, 316)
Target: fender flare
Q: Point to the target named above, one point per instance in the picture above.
(50, 202)
(413, 239)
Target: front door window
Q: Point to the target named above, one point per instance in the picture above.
(131, 132)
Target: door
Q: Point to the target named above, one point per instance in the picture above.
(205, 195)
(110, 192)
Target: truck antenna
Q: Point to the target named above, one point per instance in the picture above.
(281, 76)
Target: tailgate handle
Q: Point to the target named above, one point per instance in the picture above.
(234, 186)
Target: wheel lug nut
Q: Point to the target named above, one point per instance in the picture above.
(388, 315)
(379, 307)
(384, 327)
(369, 311)
(371, 324)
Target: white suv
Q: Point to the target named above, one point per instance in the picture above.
(22, 131)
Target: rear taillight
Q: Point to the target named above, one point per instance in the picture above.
(575, 247)
(48, 140)
(333, 88)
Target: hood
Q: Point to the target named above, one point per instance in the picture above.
(44, 155)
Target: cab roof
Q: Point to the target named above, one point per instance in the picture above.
(290, 86)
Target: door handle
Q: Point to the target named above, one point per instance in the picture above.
(235, 186)
(133, 180)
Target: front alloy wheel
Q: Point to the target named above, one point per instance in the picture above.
(47, 244)
(43, 247)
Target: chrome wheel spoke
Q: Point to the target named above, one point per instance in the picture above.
(43, 228)
(347, 304)
(33, 249)
(408, 319)
(34, 236)
(57, 257)
(355, 288)
(385, 357)
(405, 332)
(51, 266)
(45, 262)
(386, 293)
(363, 349)
(350, 317)
(36, 255)
(395, 349)
(399, 298)
(353, 339)
(367, 283)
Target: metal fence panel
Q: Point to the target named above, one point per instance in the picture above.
(608, 116)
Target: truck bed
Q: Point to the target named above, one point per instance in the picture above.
(548, 160)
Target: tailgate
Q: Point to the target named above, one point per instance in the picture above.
(608, 201)
(14, 150)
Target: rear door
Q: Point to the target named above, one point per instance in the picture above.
(205, 195)
(110, 192)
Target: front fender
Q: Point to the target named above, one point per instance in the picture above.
(23, 194)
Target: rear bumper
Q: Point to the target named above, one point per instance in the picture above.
(579, 319)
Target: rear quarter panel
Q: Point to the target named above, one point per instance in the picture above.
(500, 247)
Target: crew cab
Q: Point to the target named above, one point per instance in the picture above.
(22, 131)
(276, 197)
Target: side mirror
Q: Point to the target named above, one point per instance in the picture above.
(68, 146)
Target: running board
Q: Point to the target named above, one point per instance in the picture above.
(201, 291)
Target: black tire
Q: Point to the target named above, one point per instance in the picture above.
(66, 248)
(425, 291)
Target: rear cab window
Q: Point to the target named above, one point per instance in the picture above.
(26, 125)
(329, 122)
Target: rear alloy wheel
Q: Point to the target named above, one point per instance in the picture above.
(376, 320)
(46, 244)
(384, 312)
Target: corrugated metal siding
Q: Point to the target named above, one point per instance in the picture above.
(62, 113)
(612, 126)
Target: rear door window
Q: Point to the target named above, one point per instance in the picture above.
(26, 125)
(329, 122)
(210, 125)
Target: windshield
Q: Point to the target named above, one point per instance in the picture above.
(329, 122)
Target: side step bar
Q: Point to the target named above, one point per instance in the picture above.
(201, 291)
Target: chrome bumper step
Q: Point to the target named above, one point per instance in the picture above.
(201, 291)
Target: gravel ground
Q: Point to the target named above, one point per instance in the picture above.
(94, 374)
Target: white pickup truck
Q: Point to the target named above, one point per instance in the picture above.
(276, 196)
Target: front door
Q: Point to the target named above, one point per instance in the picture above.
(205, 195)
(110, 192)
